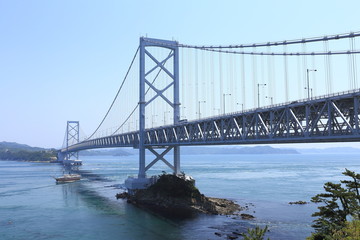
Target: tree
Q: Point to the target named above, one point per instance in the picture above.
(340, 202)
(353, 186)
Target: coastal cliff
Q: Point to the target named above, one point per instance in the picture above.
(178, 197)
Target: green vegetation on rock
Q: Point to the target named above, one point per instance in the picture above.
(338, 216)
(169, 185)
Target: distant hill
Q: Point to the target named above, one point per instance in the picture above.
(22, 152)
(332, 150)
(236, 150)
(106, 152)
(17, 146)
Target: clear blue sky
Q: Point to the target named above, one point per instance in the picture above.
(64, 60)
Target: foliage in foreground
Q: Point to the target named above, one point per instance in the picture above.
(351, 231)
(340, 203)
(255, 233)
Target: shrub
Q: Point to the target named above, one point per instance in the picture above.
(340, 202)
(255, 233)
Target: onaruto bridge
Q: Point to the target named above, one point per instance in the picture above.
(172, 95)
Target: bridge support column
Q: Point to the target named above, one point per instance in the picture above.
(61, 156)
(176, 107)
(307, 120)
(72, 137)
(356, 114)
(142, 111)
(177, 160)
(172, 75)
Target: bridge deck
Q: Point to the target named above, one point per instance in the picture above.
(332, 118)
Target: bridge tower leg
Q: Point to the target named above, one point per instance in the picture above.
(173, 73)
(72, 137)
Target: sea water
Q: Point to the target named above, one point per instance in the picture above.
(33, 206)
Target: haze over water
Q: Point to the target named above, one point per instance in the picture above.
(33, 206)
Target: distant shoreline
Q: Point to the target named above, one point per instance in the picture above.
(32, 161)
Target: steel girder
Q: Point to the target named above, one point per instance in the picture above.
(122, 140)
(329, 119)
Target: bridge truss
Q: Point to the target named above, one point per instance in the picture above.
(333, 118)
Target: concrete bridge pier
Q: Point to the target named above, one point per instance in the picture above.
(65, 159)
(61, 156)
(142, 181)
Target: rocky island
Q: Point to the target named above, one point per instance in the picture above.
(177, 196)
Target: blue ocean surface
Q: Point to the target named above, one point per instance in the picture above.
(33, 206)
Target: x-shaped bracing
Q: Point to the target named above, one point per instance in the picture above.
(159, 93)
(159, 157)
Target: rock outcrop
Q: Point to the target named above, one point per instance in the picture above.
(176, 196)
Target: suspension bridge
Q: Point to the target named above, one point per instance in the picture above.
(293, 91)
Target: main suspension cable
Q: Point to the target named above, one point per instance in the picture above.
(117, 94)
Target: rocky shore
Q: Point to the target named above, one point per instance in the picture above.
(177, 197)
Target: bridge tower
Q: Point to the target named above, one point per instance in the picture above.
(72, 136)
(172, 72)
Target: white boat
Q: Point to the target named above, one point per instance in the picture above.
(68, 178)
